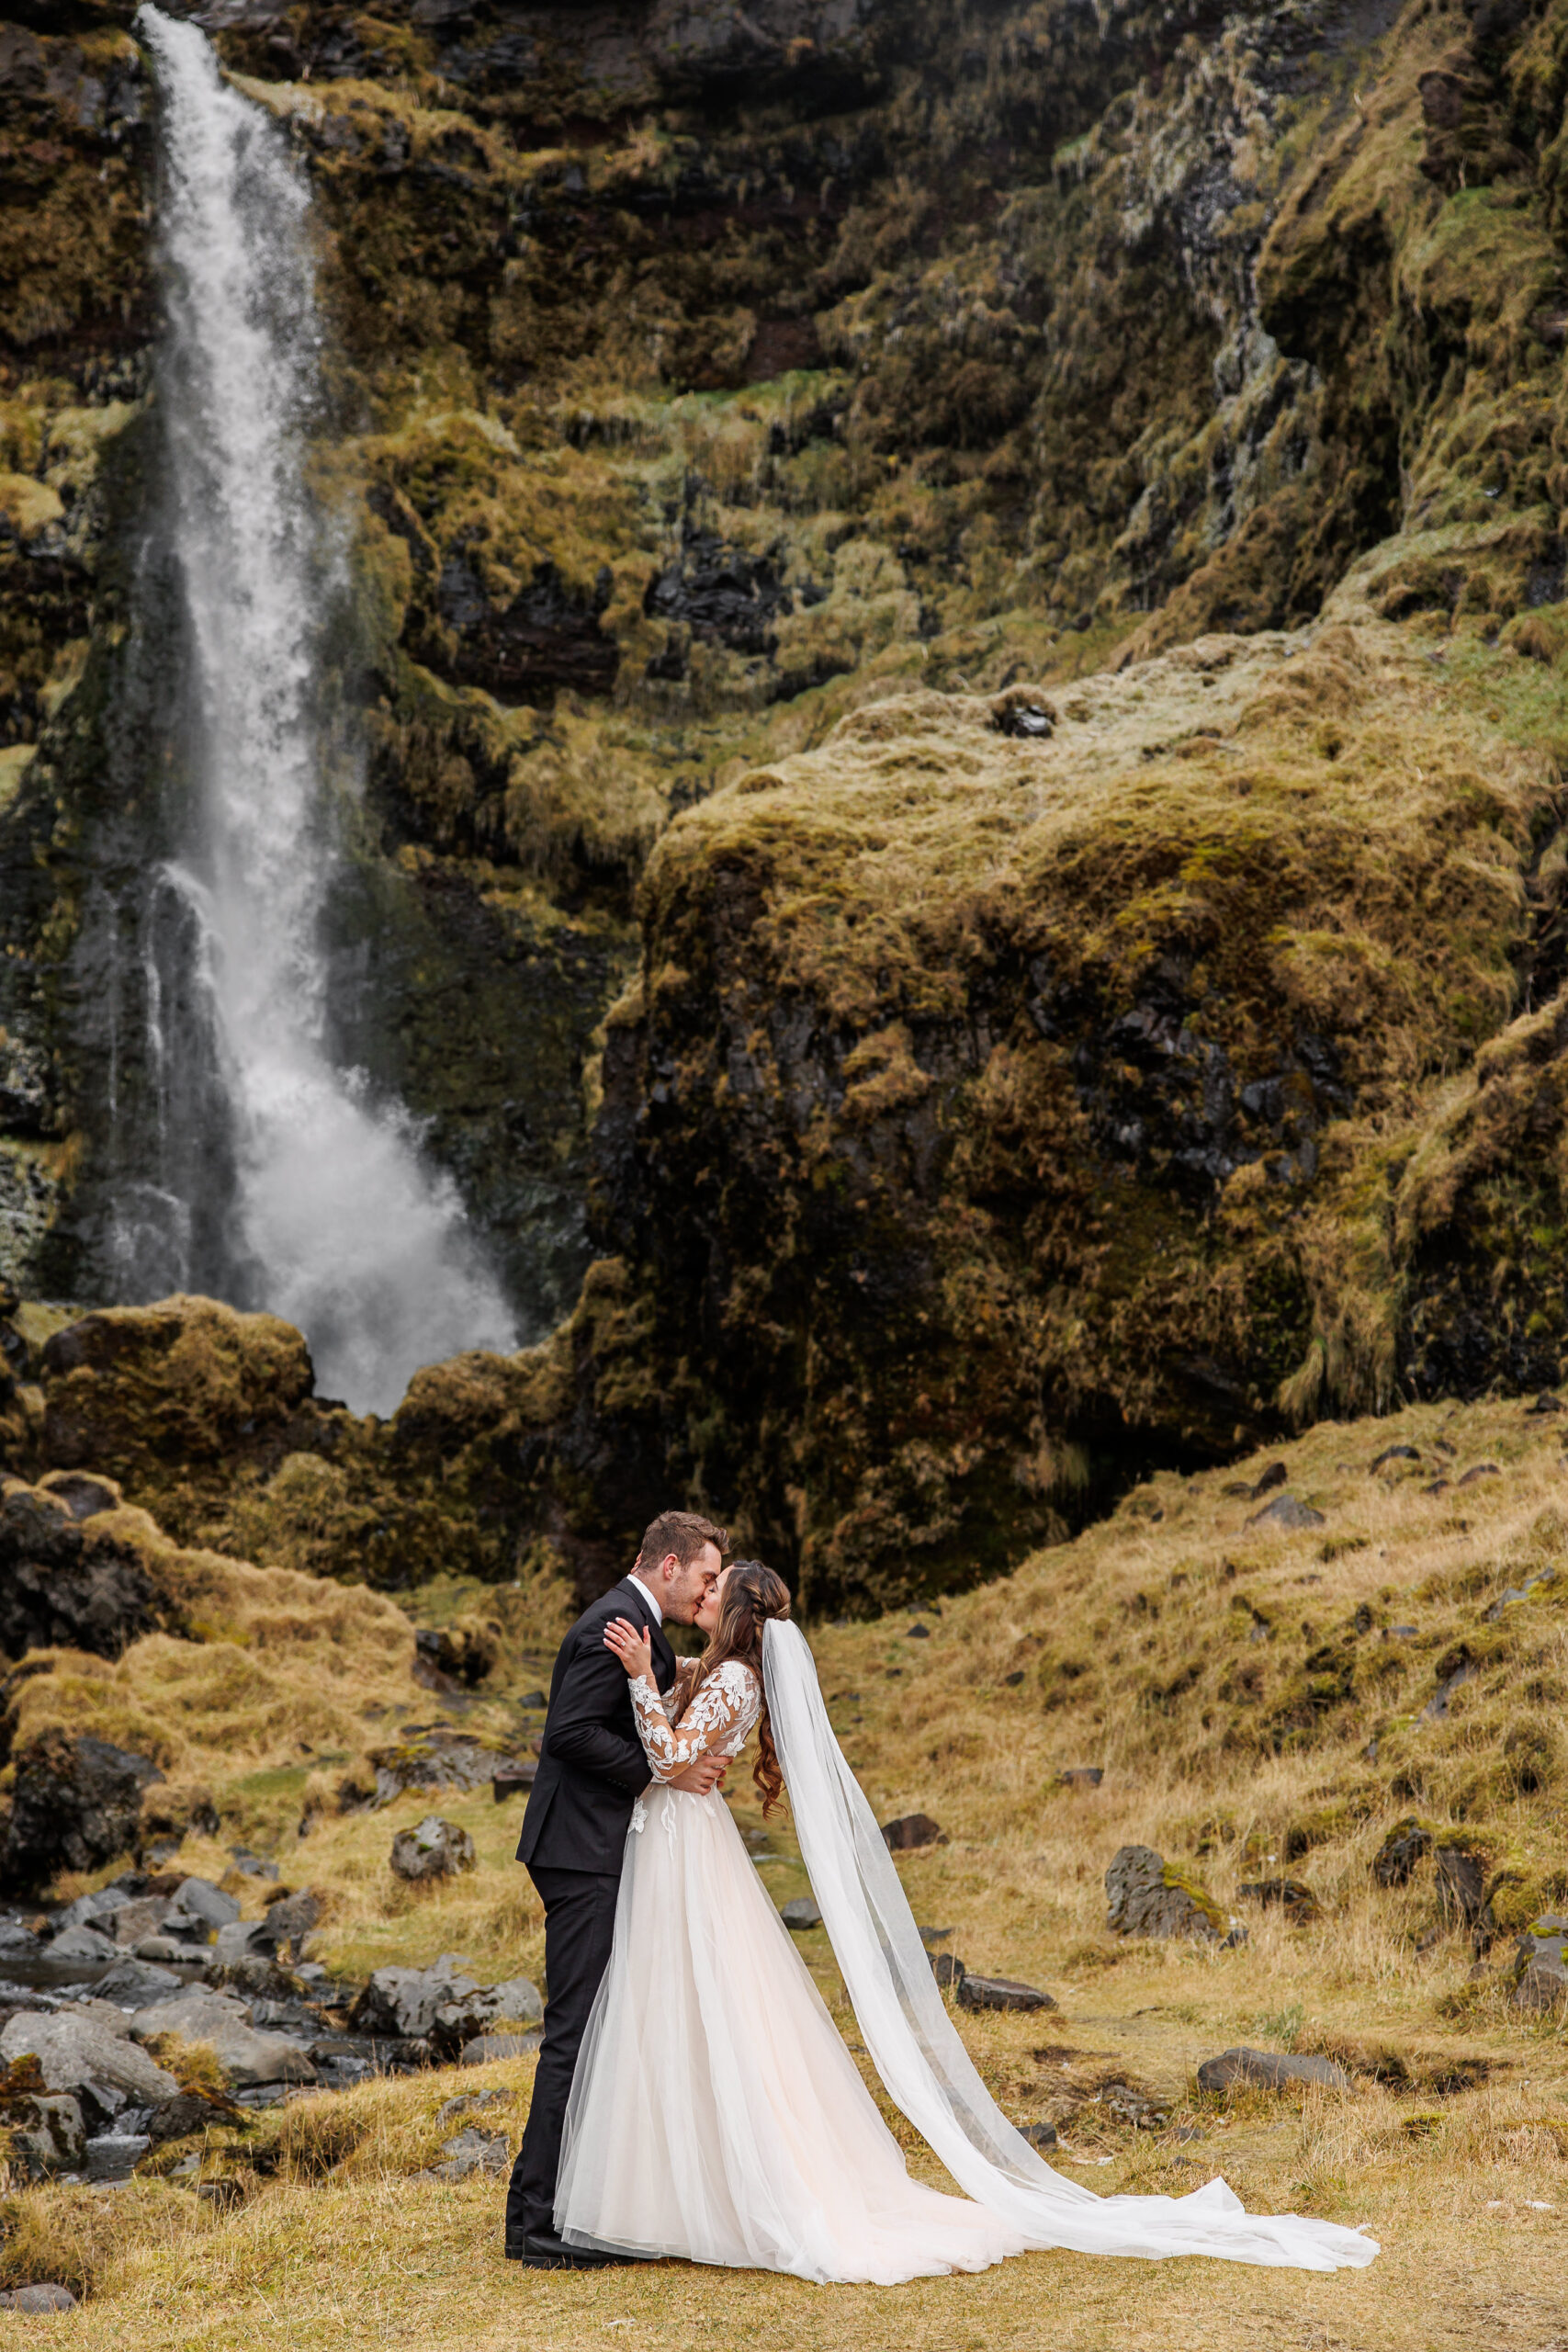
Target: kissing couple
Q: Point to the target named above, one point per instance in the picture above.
(693, 2097)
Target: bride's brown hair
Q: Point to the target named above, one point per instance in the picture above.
(752, 1594)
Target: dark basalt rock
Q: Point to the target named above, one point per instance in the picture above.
(1148, 1897)
(718, 595)
(547, 638)
(1292, 1895)
(911, 1832)
(63, 1587)
(75, 1805)
(1405, 1845)
(1000, 1992)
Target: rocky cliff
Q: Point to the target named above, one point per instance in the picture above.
(1002, 567)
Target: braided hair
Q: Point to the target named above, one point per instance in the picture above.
(752, 1593)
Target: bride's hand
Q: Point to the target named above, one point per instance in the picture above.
(634, 1649)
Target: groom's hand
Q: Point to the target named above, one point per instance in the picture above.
(699, 1778)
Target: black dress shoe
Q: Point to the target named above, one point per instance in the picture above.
(542, 2250)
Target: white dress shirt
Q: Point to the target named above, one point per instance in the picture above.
(633, 1578)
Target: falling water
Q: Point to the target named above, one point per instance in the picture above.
(339, 1223)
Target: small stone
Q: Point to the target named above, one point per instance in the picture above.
(1081, 1775)
(470, 2103)
(918, 1633)
(1039, 2136)
(199, 1899)
(472, 2152)
(486, 2046)
(1545, 1403)
(48, 2296)
(1275, 1475)
(433, 1849)
(929, 1936)
(1269, 2070)
(1000, 1992)
(912, 1832)
(115, 2155)
(162, 1949)
(513, 1778)
(1482, 1470)
(801, 1914)
(948, 1970)
(1288, 1511)
(1392, 1453)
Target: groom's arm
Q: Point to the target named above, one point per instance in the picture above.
(578, 1731)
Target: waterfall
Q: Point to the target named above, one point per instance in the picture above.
(336, 1220)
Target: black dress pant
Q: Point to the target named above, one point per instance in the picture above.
(579, 1927)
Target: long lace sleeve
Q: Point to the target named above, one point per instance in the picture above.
(717, 1719)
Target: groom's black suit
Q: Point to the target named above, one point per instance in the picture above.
(591, 1769)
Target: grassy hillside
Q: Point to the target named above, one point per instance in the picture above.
(1259, 1702)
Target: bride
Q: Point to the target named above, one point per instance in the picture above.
(715, 2112)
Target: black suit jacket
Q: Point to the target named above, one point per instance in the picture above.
(591, 1765)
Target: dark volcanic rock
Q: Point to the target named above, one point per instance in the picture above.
(718, 595)
(75, 1803)
(1292, 1895)
(1000, 1992)
(65, 1585)
(910, 1832)
(1402, 1849)
(1289, 1512)
(545, 637)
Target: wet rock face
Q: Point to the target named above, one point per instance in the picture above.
(75, 1805)
(718, 595)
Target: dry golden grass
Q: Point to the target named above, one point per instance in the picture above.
(1170, 1645)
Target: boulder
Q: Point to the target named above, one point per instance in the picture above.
(473, 2151)
(486, 2046)
(63, 1586)
(39, 2300)
(1270, 2070)
(75, 1805)
(999, 1992)
(432, 1849)
(910, 1832)
(76, 2050)
(486, 2008)
(85, 1944)
(1149, 1896)
(289, 1920)
(246, 2056)
(949, 1971)
(131, 1922)
(801, 1914)
(48, 2134)
(1402, 1849)
(198, 1899)
(403, 2001)
(1540, 1966)
(132, 1983)
(1287, 1512)
(436, 1758)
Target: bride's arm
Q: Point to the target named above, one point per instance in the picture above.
(716, 1709)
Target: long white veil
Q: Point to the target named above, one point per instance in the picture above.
(916, 2049)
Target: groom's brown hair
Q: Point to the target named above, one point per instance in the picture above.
(682, 1531)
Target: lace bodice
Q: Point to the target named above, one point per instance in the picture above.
(716, 1723)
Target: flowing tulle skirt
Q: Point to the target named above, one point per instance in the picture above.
(716, 2113)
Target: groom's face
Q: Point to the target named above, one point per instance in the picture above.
(688, 1586)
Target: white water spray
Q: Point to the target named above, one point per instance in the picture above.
(355, 1238)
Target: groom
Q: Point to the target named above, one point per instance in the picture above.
(592, 1770)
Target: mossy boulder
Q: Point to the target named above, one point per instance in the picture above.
(1149, 1896)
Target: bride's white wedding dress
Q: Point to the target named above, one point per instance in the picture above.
(716, 2113)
